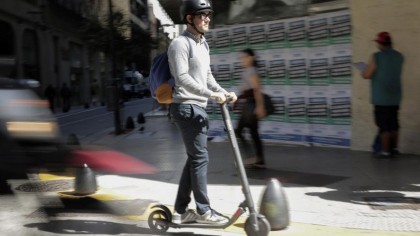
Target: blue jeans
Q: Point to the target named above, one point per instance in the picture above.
(192, 120)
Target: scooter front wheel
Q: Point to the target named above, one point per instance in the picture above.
(263, 227)
(158, 221)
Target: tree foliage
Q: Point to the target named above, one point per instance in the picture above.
(97, 33)
(139, 49)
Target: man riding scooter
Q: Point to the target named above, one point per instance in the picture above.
(194, 85)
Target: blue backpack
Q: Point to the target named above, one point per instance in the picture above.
(161, 79)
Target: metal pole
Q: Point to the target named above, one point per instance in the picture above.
(117, 121)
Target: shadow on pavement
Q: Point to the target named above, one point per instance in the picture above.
(380, 184)
(92, 227)
(88, 227)
(295, 177)
(87, 205)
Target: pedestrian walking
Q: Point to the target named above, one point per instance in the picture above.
(252, 108)
(66, 97)
(49, 93)
(94, 93)
(194, 85)
(384, 70)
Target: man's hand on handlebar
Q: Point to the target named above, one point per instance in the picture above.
(224, 97)
(219, 97)
(231, 97)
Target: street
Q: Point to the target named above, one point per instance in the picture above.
(86, 123)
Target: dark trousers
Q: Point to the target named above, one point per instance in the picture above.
(386, 118)
(51, 103)
(249, 120)
(66, 104)
(192, 121)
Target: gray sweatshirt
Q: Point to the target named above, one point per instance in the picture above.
(194, 81)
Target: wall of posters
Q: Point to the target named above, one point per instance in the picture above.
(304, 65)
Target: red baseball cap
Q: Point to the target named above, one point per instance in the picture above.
(383, 37)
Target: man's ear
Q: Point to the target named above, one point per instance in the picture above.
(189, 19)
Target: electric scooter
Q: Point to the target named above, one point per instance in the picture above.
(160, 220)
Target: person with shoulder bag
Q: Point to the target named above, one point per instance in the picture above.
(253, 107)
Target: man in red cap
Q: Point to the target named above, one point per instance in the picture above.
(384, 70)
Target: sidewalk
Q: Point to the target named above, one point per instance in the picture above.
(330, 191)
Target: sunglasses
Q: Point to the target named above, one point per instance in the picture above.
(204, 15)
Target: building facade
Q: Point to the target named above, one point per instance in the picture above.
(367, 19)
(42, 40)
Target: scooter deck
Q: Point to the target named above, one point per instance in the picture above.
(193, 225)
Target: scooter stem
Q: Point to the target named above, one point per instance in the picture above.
(238, 159)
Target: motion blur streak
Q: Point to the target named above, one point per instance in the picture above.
(23, 102)
(34, 129)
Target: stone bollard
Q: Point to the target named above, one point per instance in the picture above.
(129, 123)
(73, 140)
(274, 205)
(85, 181)
(140, 118)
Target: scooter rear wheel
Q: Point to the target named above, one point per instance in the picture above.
(158, 221)
(263, 227)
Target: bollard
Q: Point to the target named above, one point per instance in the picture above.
(274, 205)
(140, 118)
(129, 123)
(85, 181)
(73, 140)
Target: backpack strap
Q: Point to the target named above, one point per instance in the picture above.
(207, 45)
(191, 48)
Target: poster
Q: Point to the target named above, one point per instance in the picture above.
(304, 65)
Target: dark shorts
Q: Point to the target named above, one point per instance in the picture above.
(386, 118)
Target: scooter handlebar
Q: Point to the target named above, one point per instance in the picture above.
(229, 99)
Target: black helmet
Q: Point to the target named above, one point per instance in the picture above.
(190, 6)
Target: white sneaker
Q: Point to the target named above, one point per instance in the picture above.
(212, 217)
(188, 217)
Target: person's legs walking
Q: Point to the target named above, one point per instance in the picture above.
(51, 104)
(245, 121)
(257, 142)
(386, 142)
(381, 123)
(386, 118)
(394, 143)
(394, 127)
(239, 131)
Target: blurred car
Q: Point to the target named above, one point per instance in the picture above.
(135, 85)
(145, 85)
(29, 133)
